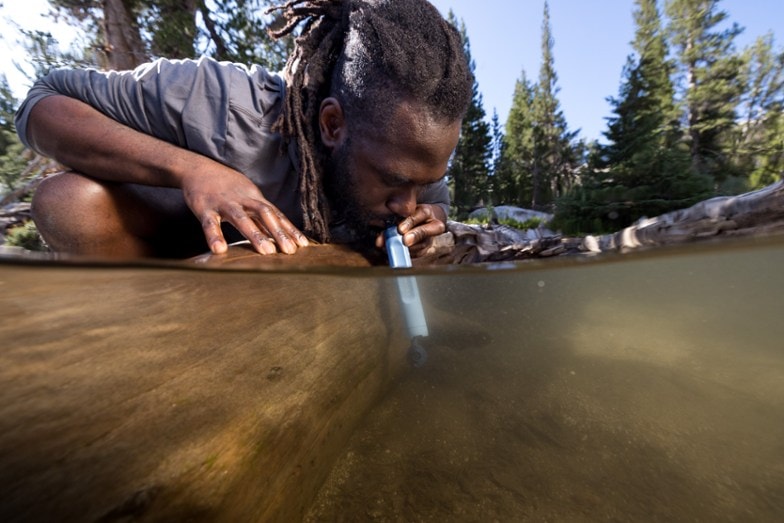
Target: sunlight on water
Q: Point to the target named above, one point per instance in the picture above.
(647, 389)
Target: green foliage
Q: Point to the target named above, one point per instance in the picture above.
(497, 186)
(539, 159)
(707, 121)
(469, 168)
(530, 223)
(41, 53)
(7, 108)
(719, 130)
(554, 159)
(603, 203)
(758, 147)
(517, 148)
(232, 30)
(712, 85)
(7, 104)
(25, 236)
(12, 161)
(644, 169)
(242, 37)
(172, 27)
(485, 219)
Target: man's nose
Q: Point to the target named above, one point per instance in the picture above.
(403, 202)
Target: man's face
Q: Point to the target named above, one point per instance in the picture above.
(374, 177)
(345, 195)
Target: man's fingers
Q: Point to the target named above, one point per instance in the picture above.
(279, 228)
(425, 225)
(231, 197)
(210, 224)
(283, 228)
(422, 214)
(419, 228)
(423, 232)
(262, 241)
(268, 229)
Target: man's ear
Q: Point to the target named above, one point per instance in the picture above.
(332, 123)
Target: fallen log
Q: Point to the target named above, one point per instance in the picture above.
(242, 256)
(172, 393)
(758, 213)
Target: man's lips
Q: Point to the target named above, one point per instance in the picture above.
(379, 222)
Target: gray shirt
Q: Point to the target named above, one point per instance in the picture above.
(221, 110)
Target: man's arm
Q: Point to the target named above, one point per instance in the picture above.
(92, 141)
(79, 136)
(436, 194)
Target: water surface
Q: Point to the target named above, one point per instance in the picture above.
(641, 387)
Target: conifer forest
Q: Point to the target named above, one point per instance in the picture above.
(694, 116)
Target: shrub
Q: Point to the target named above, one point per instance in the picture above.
(25, 236)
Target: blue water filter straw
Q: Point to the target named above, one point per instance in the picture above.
(399, 258)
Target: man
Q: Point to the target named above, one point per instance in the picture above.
(355, 135)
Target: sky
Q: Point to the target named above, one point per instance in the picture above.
(592, 41)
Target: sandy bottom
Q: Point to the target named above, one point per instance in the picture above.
(640, 392)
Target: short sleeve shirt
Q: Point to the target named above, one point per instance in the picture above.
(219, 109)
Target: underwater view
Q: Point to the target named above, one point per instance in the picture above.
(650, 389)
(639, 387)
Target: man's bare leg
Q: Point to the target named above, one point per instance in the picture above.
(81, 215)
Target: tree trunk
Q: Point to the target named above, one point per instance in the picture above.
(123, 44)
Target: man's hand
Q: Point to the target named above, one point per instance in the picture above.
(226, 195)
(86, 140)
(418, 230)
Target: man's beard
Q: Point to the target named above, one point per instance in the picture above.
(351, 222)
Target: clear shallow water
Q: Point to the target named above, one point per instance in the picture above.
(630, 388)
(650, 389)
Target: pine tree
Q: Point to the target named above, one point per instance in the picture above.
(518, 145)
(496, 188)
(126, 33)
(759, 145)
(711, 71)
(469, 169)
(644, 169)
(554, 162)
(242, 37)
(649, 85)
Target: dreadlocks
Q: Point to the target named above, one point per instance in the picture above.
(364, 53)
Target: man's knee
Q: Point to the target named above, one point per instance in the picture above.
(69, 207)
(78, 214)
(66, 189)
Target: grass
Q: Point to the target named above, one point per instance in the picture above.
(531, 223)
(25, 236)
